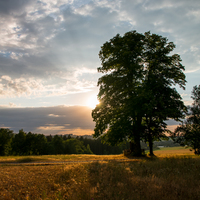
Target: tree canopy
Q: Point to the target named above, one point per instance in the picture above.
(136, 94)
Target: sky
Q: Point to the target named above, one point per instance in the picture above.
(49, 55)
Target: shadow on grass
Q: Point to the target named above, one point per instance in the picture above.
(142, 157)
(161, 179)
(26, 160)
(22, 160)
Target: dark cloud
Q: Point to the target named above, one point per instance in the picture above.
(10, 7)
(31, 66)
(59, 118)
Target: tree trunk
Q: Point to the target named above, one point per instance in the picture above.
(150, 140)
(150, 145)
(135, 147)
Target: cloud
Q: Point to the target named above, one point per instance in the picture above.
(41, 42)
(50, 47)
(25, 86)
(18, 87)
(49, 120)
(176, 20)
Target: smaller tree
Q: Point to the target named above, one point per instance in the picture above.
(18, 143)
(6, 136)
(189, 132)
(75, 146)
(58, 144)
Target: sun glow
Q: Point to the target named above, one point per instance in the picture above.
(92, 101)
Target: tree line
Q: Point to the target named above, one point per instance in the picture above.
(23, 143)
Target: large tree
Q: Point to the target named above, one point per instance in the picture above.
(118, 113)
(189, 132)
(135, 89)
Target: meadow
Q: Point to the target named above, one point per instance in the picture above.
(166, 176)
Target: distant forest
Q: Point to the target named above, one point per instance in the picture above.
(23, 143)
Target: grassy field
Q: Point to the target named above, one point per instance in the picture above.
(80, 157)
(167, 176)
(168, 151)
(58, 158)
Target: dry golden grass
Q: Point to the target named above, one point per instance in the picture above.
(29, 182)
(171, 178)
(162, 178)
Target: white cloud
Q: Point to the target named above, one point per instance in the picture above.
(7, 78)
(84, 10)
(12, 104)
(18, 87)
(9, 105)
(37, 87)
(194, 48)
(52, 115)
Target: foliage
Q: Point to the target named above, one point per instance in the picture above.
(189, 132)
(18, 143)
(58, 144)
(28, 144)
(136, 95)
(100, 148)
(6, 136)
(74, 146)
